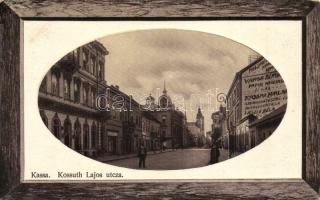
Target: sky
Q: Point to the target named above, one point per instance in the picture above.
(195, 66)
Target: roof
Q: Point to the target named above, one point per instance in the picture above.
(124, 95)
(239, 73)
(279, 112)
(180, 8)
(100, 46)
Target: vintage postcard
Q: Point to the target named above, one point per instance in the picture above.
(162, 101)
(159, 100)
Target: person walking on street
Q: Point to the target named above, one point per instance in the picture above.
(214, 153)
(142, 154)
(217, 153)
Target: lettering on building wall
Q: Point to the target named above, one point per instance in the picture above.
(263, 90)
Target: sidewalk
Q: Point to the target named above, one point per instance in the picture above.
(109, 158)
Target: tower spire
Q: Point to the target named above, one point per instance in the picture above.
(164, 87)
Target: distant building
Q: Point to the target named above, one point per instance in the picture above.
(195, 133)
(200, 121)
(171, 119)
(151, 131)
(196, 130)
(257, 90)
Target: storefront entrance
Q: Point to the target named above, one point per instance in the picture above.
(112, 142)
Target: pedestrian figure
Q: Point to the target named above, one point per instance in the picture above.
(217, 153)
(142, 154)
(214, 154)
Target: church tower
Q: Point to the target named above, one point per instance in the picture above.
(200, 121)
(165, 102)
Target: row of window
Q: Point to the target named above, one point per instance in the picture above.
(68, 135)
(90, 63)
(89, 93)
(148, 126)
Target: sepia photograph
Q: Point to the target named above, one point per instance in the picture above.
(162, 99)
(159, 99)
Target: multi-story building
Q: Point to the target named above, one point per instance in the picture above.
(151, 131)
(256, 91)
(123, 131)
(171, 119)
(67, 98)
(68, 103)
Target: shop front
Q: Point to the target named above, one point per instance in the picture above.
(112, 142)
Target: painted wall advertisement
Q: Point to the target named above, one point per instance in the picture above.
(263, 89)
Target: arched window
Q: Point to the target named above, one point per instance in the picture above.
(93, 97)
(94, 65)
(94, 135)
(85, 95)
(85, 60)
(54, 84)
(56, 126)
(77, 132)
(86, 135)
(66, 89)
(91, 66)
(77, 91)
(100, 76)
(67, 132)
(44, 117)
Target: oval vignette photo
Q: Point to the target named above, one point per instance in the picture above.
(162, 99)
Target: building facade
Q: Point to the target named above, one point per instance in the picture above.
(151, 132)
(72, 107)
(171, 120)
(67, 98)
(256, 91)
(264, 127)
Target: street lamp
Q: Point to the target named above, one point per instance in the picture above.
(222, 98)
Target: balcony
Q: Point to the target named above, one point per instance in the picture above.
(50, 101)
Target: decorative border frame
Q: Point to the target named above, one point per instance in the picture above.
(11, 16)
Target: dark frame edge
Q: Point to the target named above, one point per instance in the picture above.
(311, 61)
(308, 64)
(10, 101)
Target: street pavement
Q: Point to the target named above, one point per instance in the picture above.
(170, 160)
